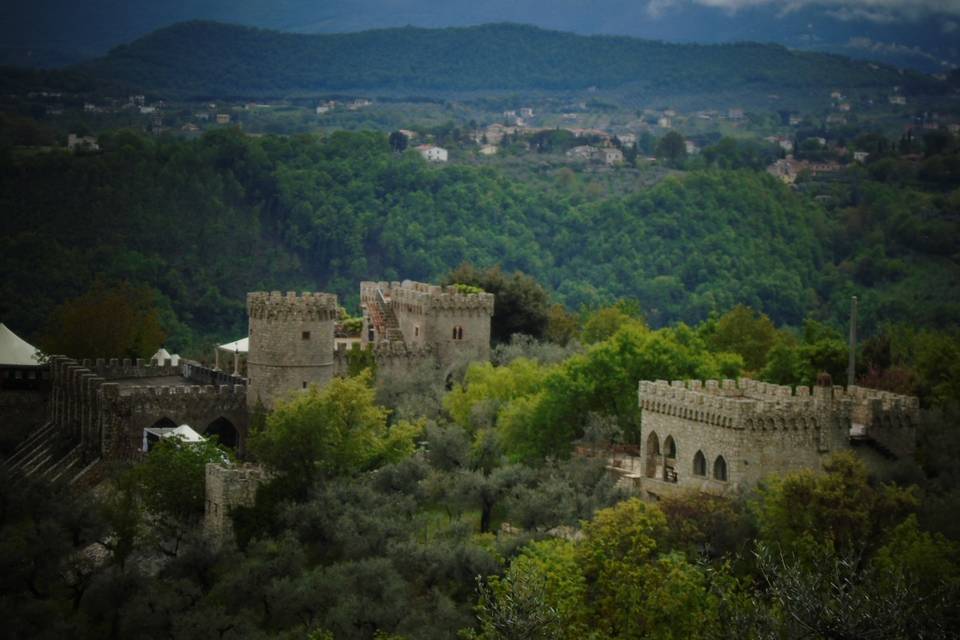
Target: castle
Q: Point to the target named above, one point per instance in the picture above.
(98, 410)
(726, 436)
(721, 437)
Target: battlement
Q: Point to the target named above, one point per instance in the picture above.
(754, 405)
(306, 306)
(115, 391)
(386, 356)
(417, 297)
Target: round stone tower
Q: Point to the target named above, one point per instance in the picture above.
(291, 343)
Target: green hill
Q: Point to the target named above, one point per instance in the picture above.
(205, 221)
(213, 59)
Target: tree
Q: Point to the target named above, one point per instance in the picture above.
(398, 141)
(106, 322)
(520, 305)
(331, 431)
(747, 332)
(672, 148)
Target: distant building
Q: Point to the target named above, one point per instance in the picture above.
(627, 139)
(488, 150)
(691, 147)
(735, 114)
(148, 110)
(860, 156)
(610, 156)
(843, 106)
(793, 119)
(223, 118)
(87, 143)
(583, 152)
(664, 122)
(901, 100)
(432, 153)
(526, 112)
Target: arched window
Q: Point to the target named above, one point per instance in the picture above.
(653, 455)
(720, 469)
(699, 464)
(458, 333)
(669, 448)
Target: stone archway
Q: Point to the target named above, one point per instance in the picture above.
(226, 432)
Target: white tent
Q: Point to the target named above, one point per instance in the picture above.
(162, 354)
(16, 351)
(184, 432)
(240, 346)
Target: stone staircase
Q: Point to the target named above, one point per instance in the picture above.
(385, 320)
(41, 457)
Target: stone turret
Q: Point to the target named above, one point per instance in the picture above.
(291, 343)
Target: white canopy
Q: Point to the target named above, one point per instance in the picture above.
(183, 431)
(16, 351)
(162, 354)
(240, 346)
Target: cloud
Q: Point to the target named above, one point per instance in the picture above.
(849, 10)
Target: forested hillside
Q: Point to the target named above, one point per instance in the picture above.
(212, 59)
(204, 221)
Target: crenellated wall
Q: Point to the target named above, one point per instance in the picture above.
(760, 429)
(388, 356)
(454, 325)
(96, 408)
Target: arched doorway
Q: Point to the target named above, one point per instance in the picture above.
(226, 433)
(653, 455)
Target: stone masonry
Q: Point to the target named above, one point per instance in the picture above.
(724, 437)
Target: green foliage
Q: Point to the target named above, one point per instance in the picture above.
(118, 322)
(839, 510)
(746, 332)
(520, 305)
(328, 432)
(672, 149)
(170, 482)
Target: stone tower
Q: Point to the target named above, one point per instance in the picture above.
(291, 343)
(452, 325)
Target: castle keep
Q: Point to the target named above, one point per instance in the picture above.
(725, 436)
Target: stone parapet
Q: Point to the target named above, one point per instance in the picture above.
(418, 297)
(306, 306)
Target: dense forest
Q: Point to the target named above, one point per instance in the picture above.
(202, 222)
(207, 59)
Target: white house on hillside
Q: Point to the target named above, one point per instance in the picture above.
(432, 153)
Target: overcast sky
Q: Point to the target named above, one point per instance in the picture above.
(877, 10)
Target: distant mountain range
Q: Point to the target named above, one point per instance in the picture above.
(208, 59)
(917, 34)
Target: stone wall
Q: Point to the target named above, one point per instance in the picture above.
(106, 418)
(291, 343)
(760, 430)
(226, 487)
(454, 326)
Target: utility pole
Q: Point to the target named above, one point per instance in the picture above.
(852, 362)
